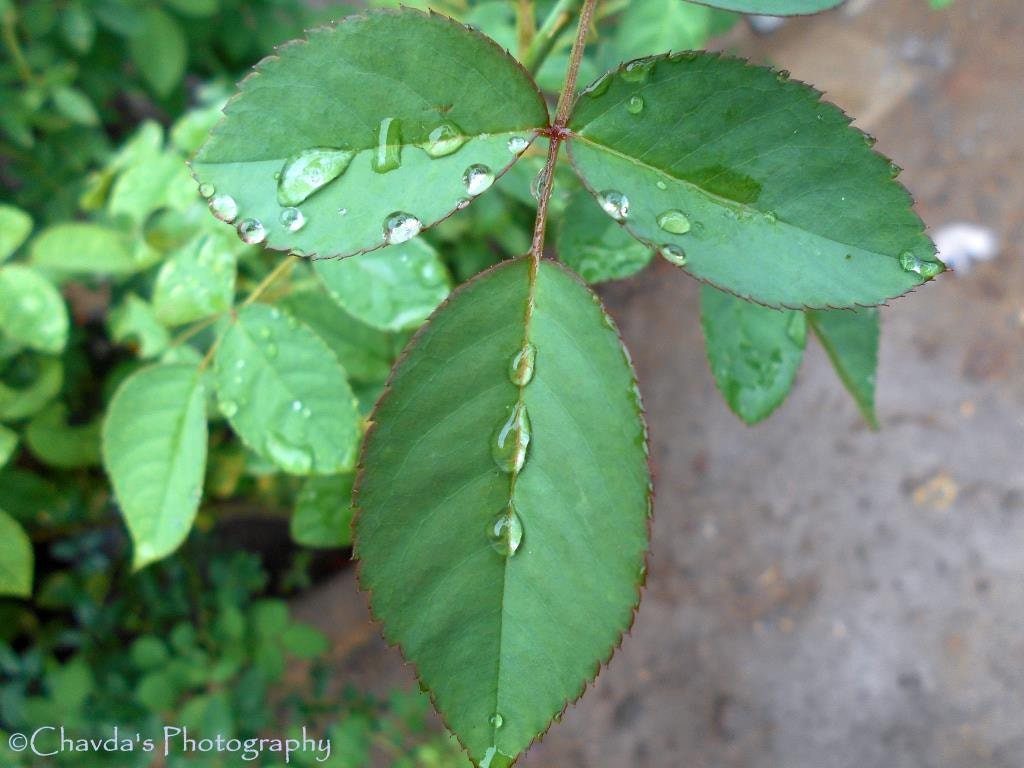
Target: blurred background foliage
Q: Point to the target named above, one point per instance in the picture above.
(110, 261)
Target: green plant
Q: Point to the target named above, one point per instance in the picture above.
(504, 492)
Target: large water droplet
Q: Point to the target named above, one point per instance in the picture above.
(251, 231)
(600, 86)
(673, 221)
(635, 105)
(510, 440)
(520, 368)
(290, 457)
(477, 178)
(638, 71)
(444, 140)
(506, 534)
(307, 171)
(615, 204)
(517, 145)
(912, 263)
(399, 227)
(388, 154)
(224, 208)
(207, 190)
(537, 185)
(674, 254)
(497, 720)
(292, 219)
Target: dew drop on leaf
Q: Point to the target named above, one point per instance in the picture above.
(635, 105)
(343, 211)
(444, 140)
(674, 222)
(224, 208)
(296, 405)
(661, 184)
(600, 86)
(251, 231)
(674, 254)
(290, 457)
(387, 156)
(520, 368)
(912, 263)
(638, 71)
(207, 190)
(517, 145)
(461, 203)
(537, 185)
(292, 219)
(307, 171)
(399, 227)
(782, 75)
(506, 534)
(497, 720)
(615, 204)
(894, 170)
(477, 179)
(510, 440)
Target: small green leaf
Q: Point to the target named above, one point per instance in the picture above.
(596, 247)
(135, 321)
(159, 50)
(522, 589)
(8, 444)
(15, 226)
(774, 7)
(196, 282)
(154, 449)
(196, 8)
(375, 128)
(32, 311)
(751, 181)
(16, 560)
(754, 351)
(364, 352)
(73, 248)
(304, 641)
(159, 181)
(652, 26)
(78, 26)
(19, 402)
(323, 512)
(285, 394)
(851, 341)
(393, 289)
(75, 106)
(53, 441)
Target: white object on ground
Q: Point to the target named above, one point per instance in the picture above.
(961, 243)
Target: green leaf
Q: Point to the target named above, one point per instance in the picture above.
(285, 394)
(365, 353)
(32, 311)
(159, 50)
(595, 246)
(195, 8)
(53, 441)
(15, 226)
(84, 248)
(774, 7)
(369, 92)
(135, 321)
(323, 512)
(154, 449)
(196, 282)
(648, 26)
(754, 351)
(18, 402)
(75, 106)
(851, 341)
(16, 562)
(494, 635)
(751, 181)
(304, 641)
(159, 181)
(393, 289)
(78, 26)
(8, 444)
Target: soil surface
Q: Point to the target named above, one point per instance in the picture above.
(821, 596)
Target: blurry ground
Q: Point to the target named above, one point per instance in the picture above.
(820, 596)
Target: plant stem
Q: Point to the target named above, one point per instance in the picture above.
(565, 100)
(526, 26)
(557, 20)
(14, 47)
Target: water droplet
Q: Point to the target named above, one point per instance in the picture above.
(926, 269)
(869, 140)
(251, 231)
(599, 87)
(461, 203)
(537, 185)
(307, 171)
(510, 440)
(497, 720)
(399, 227)
(894, 170)
(296, 405)
(520, 369)
(635, 105)
(494, 759)
(229, 408)
(290, 457)
(506, 534)
(207, 190)
(674, 254)
(444, 140)
(674, 222)
(477, 178)
(782, 75)
(615, 204)
(388, 154)
(292, 219)
(638, 71)
(224, 208)
(517, 145)
(661, 184)
(771, 216)
(796, 329)
(343, 211)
